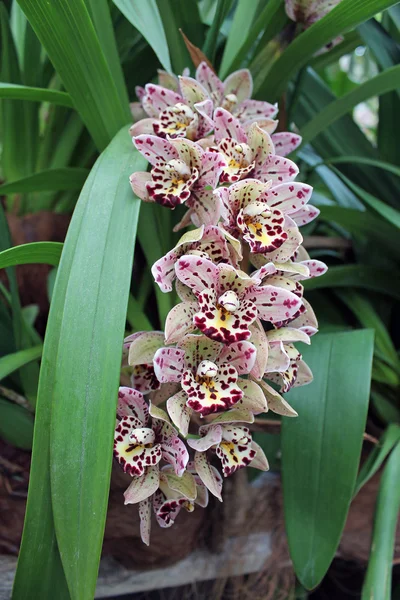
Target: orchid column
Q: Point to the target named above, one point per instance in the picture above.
(229, 345)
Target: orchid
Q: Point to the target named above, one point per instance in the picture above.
(308, 12)
(230, 341)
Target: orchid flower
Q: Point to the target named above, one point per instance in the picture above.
(285, 365)
(182, 173)
(308, 12)
(143, 378)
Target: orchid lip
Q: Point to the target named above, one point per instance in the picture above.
(207, 369)
(229, 301)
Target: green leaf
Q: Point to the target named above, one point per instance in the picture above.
(384, 82)
(70, 178)
(210, 45)
(33, 253)
(377, 582)
(78, 385)
(358, 276)
(377, 456)
(16, 425)
(321, 448)
(346, 15)
(238, 32)
(12, 362)
(145, 17)
(33, 94)
(362, 160)
(67, 33)
(137, 317)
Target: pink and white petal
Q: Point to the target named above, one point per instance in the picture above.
(316, 268)
(239, 83)
(288, 334)
(139, 183)
(233, 279)
(305, 215)
(277, 169)
(192, 91)
(184, 292)
(168, 364)
(132, 403)
(166, 511)
(142, 127)
(212, 164)
(198, 348)
(208, 474)
(167, 80)
(290, 246)
(143, 346)
(210, 396)
(171, 183)
(165, 391)
(206, 208)
(307, 321)
(274, 304)
(175, 121)
(253, 397)
(249, 111)
(261, 145)
(262, 228)
(215, 244)
(259, 340)
(275, 401)
(205, 122)
(212, 435)
(295, 270)
(161, 423)
(304, 374)
(133, 457)
(185, 485)
(220, 325)
(184, 222)
(175, 452)
(143, 487)
(260, 461)
(197, 273)
(278, 359)
(179, 321)
(241, 355)
(158, 98)
(144, 379)
(210, 82)
(163, 270)
(265, 270)
(137, 111)
(269, 125)
(202, 498)
(145, 520)
(239, 414)
(234, 456)
(189, 152)
(179, 413)
(286, 142)
(227, 126)
(143, 436)
(154, 149)
(288, 197)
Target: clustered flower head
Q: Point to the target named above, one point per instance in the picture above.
(228, 348)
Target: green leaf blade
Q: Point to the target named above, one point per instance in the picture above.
(33, 253)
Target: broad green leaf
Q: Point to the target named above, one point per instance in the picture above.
(321, 448)
(12, 362)
(384, 82)
(145, 17)
(89, 301)
(69, 178)
(16, 425)
(374, 461)
(238, 32)
(362, 160)
(32, 253)
(358, 276)
(78, 385)
(210, 45)
(378, 582)
(387, 411)
(137, 317)
(346, 15)
(68, 35)
(24, 92)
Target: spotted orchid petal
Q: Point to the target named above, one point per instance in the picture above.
(143, 345)
(131, 403)
(143, 378)
(316, 268)
(142, 127)
(139, 181)
(288, 334)
(276, 169)
(171, 183)
(307, 321)
(156, 99)
(261, 227)
(145, 520)
(154, 149)
(174, 452)
(289, 246)
(304, 374)
(260, 341)
(167, 510)
(168, 80)
(269, 125)
(133, 448)
(288, 197)
(260, 144)
(235, 449)
(278, 359)
(199, 348)
(204, 208)
(305, 215)
(212, 165)
(213, 388)
(221, 324)
(287, 378)
(192, 91)
(210, 82)
(180, 321)
(228, 127)
(179, 412)
(184, 485)
(137, 111)
(175, 121)
(238, 160)
(212, 436)
(274, 304)
(238, 196)
(286, 142)
(275, 401)
(241, 355)
(143, 487)
(208, 474)
(240, 84)
(253, 397)
(169, 364)
(260, 461)
(249, 111)
(197, 273)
